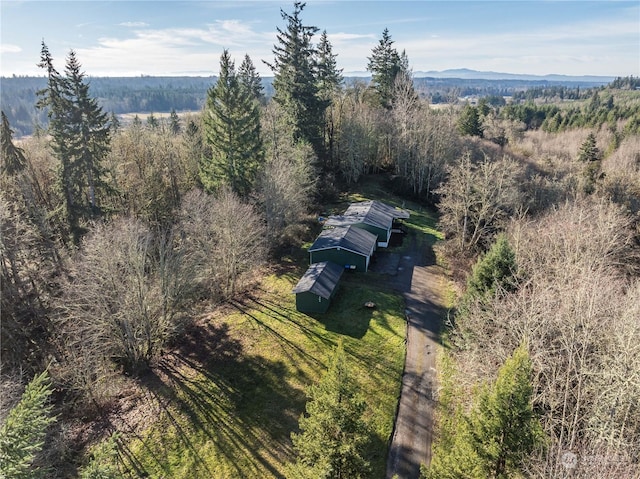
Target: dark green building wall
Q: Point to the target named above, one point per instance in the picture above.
(311, 303)
(341, 257)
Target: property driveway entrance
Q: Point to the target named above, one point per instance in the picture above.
(422, 283)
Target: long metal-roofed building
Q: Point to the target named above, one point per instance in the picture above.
(373, 216)
(395, 213)
(350, 247)
(317, 287)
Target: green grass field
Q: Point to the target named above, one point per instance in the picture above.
(233, 393)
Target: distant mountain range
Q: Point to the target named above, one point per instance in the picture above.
(467, 74)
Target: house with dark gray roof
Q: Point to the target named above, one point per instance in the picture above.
(317, 287)
(373, 216)
(349, 247)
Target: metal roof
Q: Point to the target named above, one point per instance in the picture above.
(372, 213)
(351, 238)
(342, 220)
(395, 213)
(369, 214)
(321, 279)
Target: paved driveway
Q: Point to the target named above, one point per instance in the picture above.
(422, 284)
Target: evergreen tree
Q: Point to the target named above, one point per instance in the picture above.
(329, 75)
(329, 82)
(23, 432)
(114, 122)
(589, 149)
(590, 154)
(250, 79)
(50, 98)
(333, 432)
(469, 122)
(12, 160)
(91, 141)
(104, 461)
(503, 427)
(232, 130)
(152, 122)
(80, 133)
(174, 123)
(295, 79)
(495, 271)
(499, 433)
(385, 64)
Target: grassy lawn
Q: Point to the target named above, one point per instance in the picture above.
(232, 394)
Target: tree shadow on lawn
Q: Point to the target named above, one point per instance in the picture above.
(347, 314)
(247, 306)
(242, 404)
(287, 313)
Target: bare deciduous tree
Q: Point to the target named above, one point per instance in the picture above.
(225, 237)
(127, 296)
(477, 199)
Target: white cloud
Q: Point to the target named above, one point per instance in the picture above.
(133, 24)
(173, 50)
(345, 37)
(8, 48)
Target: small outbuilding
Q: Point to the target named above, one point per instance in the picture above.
(349, 247)
(317, 287)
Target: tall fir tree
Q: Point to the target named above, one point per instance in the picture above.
(329, 75)
(91, 142)
(329, 83)
(384, 64)
(295, 79)
(232, 131)
(23, 433)
(250, 78)
(333, 432)
(80, 139)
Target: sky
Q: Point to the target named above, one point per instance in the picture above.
(162, 37)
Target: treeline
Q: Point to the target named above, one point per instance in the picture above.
(115, 95)
(147, 94)
(442, 90)
(615, 109)
(604, 107)
(112, 236)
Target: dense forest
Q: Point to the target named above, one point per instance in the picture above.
(140, 262)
